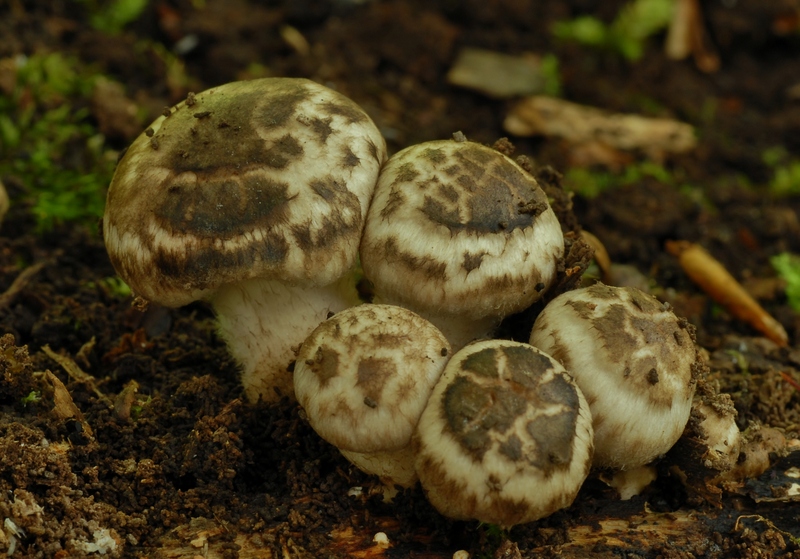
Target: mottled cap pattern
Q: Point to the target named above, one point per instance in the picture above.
(635, 361)
(460, 228)
(506, 437)
(264, 178)
(364, 376)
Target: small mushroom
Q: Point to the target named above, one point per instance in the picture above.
(506, 437)
(635, 361)
(460, 234)
(252, 196)
(363, 378)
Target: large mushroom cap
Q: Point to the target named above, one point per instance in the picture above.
(264, 178)
(459, 228)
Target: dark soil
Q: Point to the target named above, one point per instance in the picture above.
(154, 448)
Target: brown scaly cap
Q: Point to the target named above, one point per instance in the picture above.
(264, 178)
(635, 361)
(506, 437)
(459, 228)
(364, 376)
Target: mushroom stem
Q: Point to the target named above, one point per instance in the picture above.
(264, 323)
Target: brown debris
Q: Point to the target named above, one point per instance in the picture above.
(495, 74)
(708, 273)
(116, 114)
(125, 400)
(75, 372)
(601, 257)
(64, 407)
(21, 281)
(687, 36)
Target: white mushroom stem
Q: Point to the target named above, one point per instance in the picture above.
(264, 323)
(630, 483)
(460, 332)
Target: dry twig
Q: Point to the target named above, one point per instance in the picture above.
(75, 372)
(19, 283)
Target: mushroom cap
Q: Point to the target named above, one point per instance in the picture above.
(635, 361)
(265, 178)
(459, 228)
(364, 376)
(506, 437)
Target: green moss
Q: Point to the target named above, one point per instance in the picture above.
(31, 398)
(626, 35)
(589, 183)
(116, 287)
(49, 143)
(788, 267)
(551, 73)
(111, 16)
(785, 171)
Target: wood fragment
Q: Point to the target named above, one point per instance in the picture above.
(63, 405)
(22, 280)
(580, 124)
(708, 273)
(295, 39)
(601, 535)
(613, 537)
(687, 35)
(125, 400)
(84, 351)
(75, 372)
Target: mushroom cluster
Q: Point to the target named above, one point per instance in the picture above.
(259, 196)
